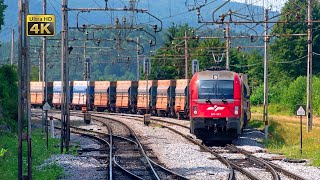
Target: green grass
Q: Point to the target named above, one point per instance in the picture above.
(274, 109)
(284, 138)
(8, 163)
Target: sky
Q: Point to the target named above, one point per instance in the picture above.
(273, 4)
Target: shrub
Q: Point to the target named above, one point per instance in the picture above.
(295, 94)
(9, 95)
(256, 97)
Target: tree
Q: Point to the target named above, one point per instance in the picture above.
(288, 54)
(2, 9)
(205, 52)
(168, 61)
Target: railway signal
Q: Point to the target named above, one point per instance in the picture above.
(147, 66)
(195, 66)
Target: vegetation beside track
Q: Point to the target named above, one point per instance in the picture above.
(8, 97)
(8, 163)
(284, 138)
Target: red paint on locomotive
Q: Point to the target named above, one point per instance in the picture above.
(218, 104)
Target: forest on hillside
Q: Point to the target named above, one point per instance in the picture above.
(112, 60)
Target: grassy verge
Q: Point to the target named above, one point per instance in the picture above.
(274, 109)
(8, 163)
(284, 138)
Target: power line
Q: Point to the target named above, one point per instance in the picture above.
(54, 9)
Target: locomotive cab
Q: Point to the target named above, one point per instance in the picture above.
(216, 105)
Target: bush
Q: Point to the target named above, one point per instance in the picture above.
(316, 95)
(277, 90)
(9, 94)
(295, 93)
(256, 97)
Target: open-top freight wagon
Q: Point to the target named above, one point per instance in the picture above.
(105, 96)
(126, 96)
(145, 103)
(57, 88)
(182, 98)
(36, 93)
(166, 98)
(80, 91)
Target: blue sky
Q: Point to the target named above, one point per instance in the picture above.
(273, 4)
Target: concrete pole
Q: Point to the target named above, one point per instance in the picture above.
(27, 84)
(309, 69)
(65, 94)
(20, 90)
(227, 46)
(39, 64)
(85, 61)
(138, 66)
(186, 54)
(44, 73)
(265, 75)
(12, 46)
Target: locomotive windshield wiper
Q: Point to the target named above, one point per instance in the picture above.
(208, 101)
(224, 99)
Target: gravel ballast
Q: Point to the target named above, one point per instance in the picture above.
(187, 159)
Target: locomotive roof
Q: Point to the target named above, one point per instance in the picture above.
(207, 75)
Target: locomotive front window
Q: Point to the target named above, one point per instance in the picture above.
(215, 89)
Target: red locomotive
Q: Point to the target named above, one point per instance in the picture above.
(219, 104)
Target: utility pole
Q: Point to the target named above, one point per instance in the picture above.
(20, 89)
(12, 46)
(65, 114)
(265, 75)
(227, 45)
(138, 65)
(44, 74)
(85, 60)
(39, 64)
(24, 107)
(309, 69)
(186, 54)
(27, 89)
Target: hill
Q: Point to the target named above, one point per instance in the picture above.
(168, 11)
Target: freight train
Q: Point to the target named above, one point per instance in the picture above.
(217, 102)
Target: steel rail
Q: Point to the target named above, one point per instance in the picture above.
(124, 169)
(258, 161)
(138, 142)
(85, 132)
(277, 168)
(231, 175)
(153, 119)
(229, 164)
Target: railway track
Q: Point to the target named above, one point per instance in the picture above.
(126, 153)
(232, 165)
(273, 169)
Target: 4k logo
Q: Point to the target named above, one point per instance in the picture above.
(41, 25)
(215, 108)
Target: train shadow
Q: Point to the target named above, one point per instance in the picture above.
(217, 143)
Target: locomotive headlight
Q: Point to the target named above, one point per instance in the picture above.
(195, 110)
(236, 110)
